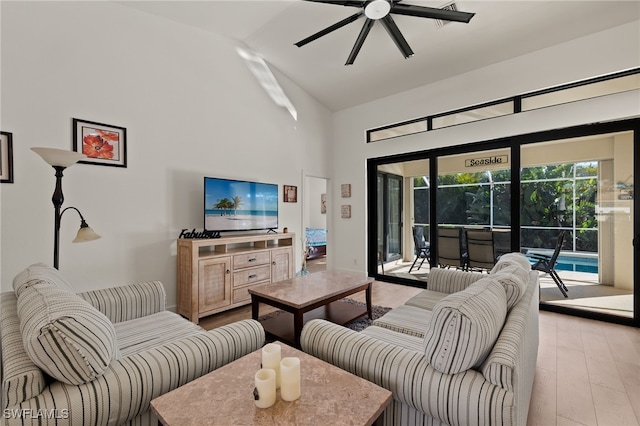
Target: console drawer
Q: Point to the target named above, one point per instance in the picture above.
(242, 294)
(251, 276)
(251, 259)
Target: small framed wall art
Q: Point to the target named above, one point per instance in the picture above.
(323, 203)
(6, 157)
(103, 144)
(290, 194)
(345, 190)
(345, 211)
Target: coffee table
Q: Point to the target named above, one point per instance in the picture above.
(308, 297)
(329, 395)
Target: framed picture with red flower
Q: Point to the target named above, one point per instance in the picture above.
(103, 144)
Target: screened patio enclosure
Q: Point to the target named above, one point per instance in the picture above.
(579, 186)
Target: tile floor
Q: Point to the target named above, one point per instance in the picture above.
(588, 373)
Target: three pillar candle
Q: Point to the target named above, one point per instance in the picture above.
(276, 373)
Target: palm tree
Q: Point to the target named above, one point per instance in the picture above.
(237, 202)
(224, 204)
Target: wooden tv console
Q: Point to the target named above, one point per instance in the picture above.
(214, 275)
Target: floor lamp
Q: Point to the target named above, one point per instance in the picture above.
(60, 159)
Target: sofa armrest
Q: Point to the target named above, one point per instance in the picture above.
(455, 399)
(237, 339)
(126, 389)
(21, 378)
(128, 302)
(451, 280)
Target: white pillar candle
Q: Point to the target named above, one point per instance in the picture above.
(265, 390)
(271, 359)
(290, 379)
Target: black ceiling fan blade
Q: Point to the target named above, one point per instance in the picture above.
(431, 12)
(352, 3)
(360, 41)
(329, 29)
(394, 32)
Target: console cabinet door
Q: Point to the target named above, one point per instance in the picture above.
(281, 264)
(214, 276)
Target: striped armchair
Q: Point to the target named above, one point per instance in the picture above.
(461, 354)
(100, 357)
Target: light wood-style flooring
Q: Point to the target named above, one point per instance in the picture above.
(588, 372)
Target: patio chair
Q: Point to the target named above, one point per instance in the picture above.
(547, 264)
(451, 249)
(480, 250)
(501, 242)
(422, 247)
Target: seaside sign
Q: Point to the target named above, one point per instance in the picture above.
(204, 234)
(487, 161)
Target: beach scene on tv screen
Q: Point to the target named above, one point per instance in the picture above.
(235, 206)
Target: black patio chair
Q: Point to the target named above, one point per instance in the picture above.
(547, 264)
(422, 247)
(480, 250)
(501, 242)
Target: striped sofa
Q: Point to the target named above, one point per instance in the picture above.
(462, 352)
(100, 357)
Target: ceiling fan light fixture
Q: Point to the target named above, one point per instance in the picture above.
(381, 10)
(377, 9)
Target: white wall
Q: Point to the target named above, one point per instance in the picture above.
(191, 108)
(578, 59)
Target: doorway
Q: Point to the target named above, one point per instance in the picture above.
(314, 222)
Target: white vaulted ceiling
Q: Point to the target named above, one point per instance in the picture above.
(500, 30)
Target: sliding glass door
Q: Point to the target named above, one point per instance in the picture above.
(522, 194)
(390, 214)
(585, 193)
(473, 195)
(402, 203)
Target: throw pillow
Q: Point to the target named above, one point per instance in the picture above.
(464, 326)
(41, 272)
(63, 334)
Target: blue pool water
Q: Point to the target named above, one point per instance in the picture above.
(576, 264)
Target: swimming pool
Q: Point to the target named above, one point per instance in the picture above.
(576, 263)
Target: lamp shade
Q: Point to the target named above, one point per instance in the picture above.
(85, 234)
(59, 157)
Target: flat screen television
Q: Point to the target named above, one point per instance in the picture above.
(236, 205)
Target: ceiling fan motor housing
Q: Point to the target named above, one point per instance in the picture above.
(377, 9)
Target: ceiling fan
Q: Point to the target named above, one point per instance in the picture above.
(381, 10)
